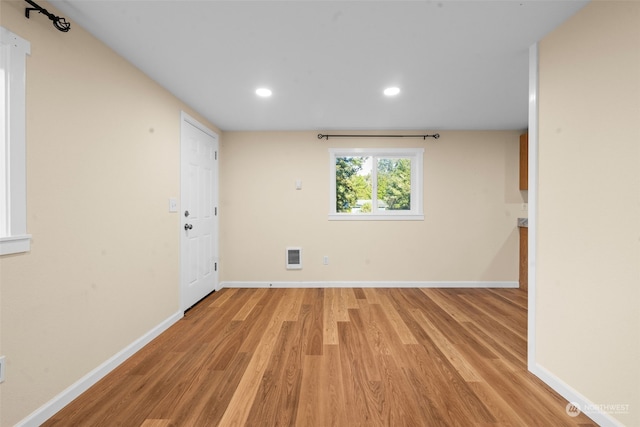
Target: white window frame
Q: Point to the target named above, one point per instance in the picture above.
(417, 158)
(13, 178)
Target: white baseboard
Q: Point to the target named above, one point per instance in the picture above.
(363, 284)
(565, 390)
(50, 408)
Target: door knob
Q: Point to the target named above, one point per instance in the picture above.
(188, 226)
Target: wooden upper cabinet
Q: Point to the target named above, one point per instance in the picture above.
(524, 161)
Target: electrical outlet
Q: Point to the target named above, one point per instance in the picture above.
(2, 368)
(524, 207)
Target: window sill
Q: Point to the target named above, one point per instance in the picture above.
(15, 244)
(372, 217)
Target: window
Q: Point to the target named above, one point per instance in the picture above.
(376, 184)
(13, 189)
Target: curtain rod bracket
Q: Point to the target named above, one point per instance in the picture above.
(424, 137)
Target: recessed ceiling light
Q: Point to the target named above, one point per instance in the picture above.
(263, 92)
(392, 91)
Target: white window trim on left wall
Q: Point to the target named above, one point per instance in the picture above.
(13, 179)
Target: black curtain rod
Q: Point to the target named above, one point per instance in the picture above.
(424, 137)
(58, 22)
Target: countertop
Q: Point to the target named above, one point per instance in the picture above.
(523, 222)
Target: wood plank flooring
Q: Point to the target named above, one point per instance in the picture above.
(332, 357)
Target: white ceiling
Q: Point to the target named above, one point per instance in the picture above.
(460, 64)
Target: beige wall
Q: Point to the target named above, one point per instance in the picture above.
(588, 286)
(102, 163)
(471, 202)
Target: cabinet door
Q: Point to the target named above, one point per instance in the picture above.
(524, 161)
(524, 258)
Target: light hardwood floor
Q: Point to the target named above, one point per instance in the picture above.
(332, 357)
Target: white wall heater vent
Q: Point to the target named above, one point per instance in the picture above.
(294, 258)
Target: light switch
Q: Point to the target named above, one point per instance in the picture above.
(173, 205)
(298, 184)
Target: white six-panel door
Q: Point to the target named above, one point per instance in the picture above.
(198, 211)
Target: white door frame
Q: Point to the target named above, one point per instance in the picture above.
(184, 120)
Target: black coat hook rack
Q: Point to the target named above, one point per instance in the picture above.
(58, 22)
(424, 137)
